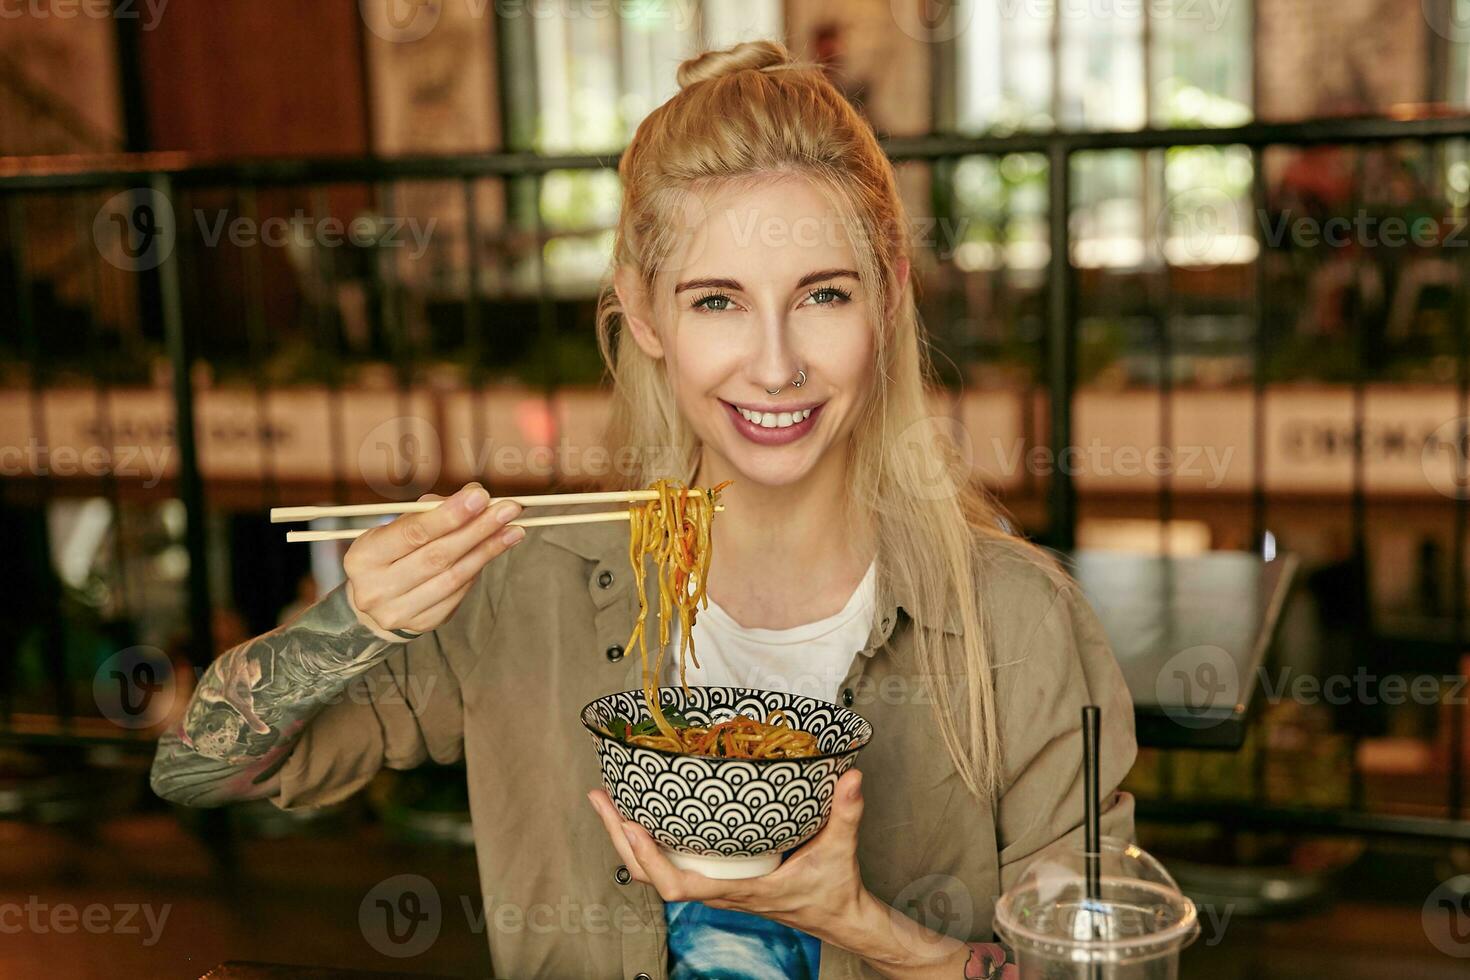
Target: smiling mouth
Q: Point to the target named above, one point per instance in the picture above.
(773, 420)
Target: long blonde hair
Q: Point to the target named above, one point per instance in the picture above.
(749, 113)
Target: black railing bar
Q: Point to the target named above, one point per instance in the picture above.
(473, 333)
(258, 343)
(1259, 354)
(84, 212)
(1357, 500)
(1167, 305)
(324, 268)
(1324, 821)
(53, 646)
(34, 173)
(546, 321)
(1461, 482)
(190, 483)
(1061, 348)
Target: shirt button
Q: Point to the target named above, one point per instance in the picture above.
(622, 876)
(886, 621)
(605, 580)
(643, 976)
(847, 697)
(615, 653)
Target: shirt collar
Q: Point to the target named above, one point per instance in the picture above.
(607, 543)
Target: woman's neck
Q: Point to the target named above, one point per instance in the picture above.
(787, 555)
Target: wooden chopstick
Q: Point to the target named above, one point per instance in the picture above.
(346, 534)
(287, 515)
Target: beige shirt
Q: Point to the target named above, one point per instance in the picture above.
(502, 683)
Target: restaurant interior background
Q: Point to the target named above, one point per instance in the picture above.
(277, 253)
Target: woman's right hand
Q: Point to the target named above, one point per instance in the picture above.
(412, 573)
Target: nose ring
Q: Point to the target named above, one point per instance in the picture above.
(800, 380)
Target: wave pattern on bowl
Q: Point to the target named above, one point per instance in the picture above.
(730, 807)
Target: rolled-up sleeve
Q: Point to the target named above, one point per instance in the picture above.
(1066, 664)
(403, 712)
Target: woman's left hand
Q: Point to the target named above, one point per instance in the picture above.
(818, 889)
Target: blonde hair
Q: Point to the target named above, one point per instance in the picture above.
(752, 113)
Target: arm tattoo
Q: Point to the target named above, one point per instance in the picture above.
(988, 961)
(254, 700)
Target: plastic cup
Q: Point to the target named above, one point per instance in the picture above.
(1134, 928)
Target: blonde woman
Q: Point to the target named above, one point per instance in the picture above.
(760, 327)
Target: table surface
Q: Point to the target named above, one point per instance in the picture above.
(239, 970)
(1191, 633)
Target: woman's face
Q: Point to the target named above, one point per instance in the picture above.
(764, 285)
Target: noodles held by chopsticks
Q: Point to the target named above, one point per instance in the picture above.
(675, 530)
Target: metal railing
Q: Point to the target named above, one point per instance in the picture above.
(163, 294)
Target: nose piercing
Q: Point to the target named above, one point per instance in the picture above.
(800, 380)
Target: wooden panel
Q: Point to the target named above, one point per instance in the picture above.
(269, 77)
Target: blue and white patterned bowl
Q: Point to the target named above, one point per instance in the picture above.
(726, 818)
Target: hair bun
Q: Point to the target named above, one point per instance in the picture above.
(747, 54)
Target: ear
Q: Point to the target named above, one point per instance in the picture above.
(900, 278)
(637, 313)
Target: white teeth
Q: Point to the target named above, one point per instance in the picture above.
(773, 420)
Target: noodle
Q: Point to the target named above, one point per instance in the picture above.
(675, 530)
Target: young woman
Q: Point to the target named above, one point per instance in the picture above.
(759, 327)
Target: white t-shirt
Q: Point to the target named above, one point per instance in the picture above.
(810, 659)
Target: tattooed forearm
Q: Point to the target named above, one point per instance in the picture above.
(254, 700)
(990, 961)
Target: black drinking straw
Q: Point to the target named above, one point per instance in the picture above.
(1092, 823)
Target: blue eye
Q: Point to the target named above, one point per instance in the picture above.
(701, 302)
(829, 291)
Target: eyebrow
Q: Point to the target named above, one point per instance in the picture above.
(806, 280)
